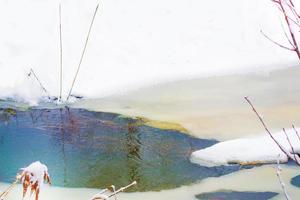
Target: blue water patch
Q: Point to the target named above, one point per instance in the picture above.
(296, 181)
(96, 149)
(233, 195)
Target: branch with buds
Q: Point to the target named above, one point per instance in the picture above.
(291, 19)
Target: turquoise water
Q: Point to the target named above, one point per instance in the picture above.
(96, 149)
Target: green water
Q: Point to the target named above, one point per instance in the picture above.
(96, 149)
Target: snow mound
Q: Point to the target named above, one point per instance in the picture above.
(251, 150)
(37, 171)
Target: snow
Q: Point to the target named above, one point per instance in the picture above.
(37, 171)
(250, 150)
(134, 43)
(100, 196)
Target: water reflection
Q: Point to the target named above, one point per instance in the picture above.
(96, 149)
(6, 114)
(133, 146)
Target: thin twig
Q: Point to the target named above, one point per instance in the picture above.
(291, 2)
(295, 22)
(83, 52)
(280, 45)
(266, 128)
(286, 7)
(38, 80)
(282, 184)
(290, 29)
(61, 58)
(292, 7)
(288, 139)
(114, 192)
(286, 35)
(296, 132)
(123, 188)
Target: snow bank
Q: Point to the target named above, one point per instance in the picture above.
(136, 43)
(252, 150)
(25, 90)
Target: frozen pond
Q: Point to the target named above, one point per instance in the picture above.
(72, 141)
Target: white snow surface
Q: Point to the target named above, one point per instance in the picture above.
(251, 150)
(38, 170)
(134, 43)
(100, 196)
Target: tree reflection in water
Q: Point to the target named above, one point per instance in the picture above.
(133, 146)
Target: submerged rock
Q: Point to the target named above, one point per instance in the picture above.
(296, 181)
(234, 195)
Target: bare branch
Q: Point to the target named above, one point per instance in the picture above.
(83, 52)
(266, 128)
(276, 1)
(284, 12)
(280, 45)
(296, 132)
(293, 150)
(38, 80)
(286, 35)
(292, 3)
(295, 22)
(293, 9)
(286, 7)
(61, 54)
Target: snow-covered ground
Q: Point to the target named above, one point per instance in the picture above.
(134, 43)
(252, 150)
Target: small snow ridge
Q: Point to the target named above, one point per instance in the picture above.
(251, 150)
